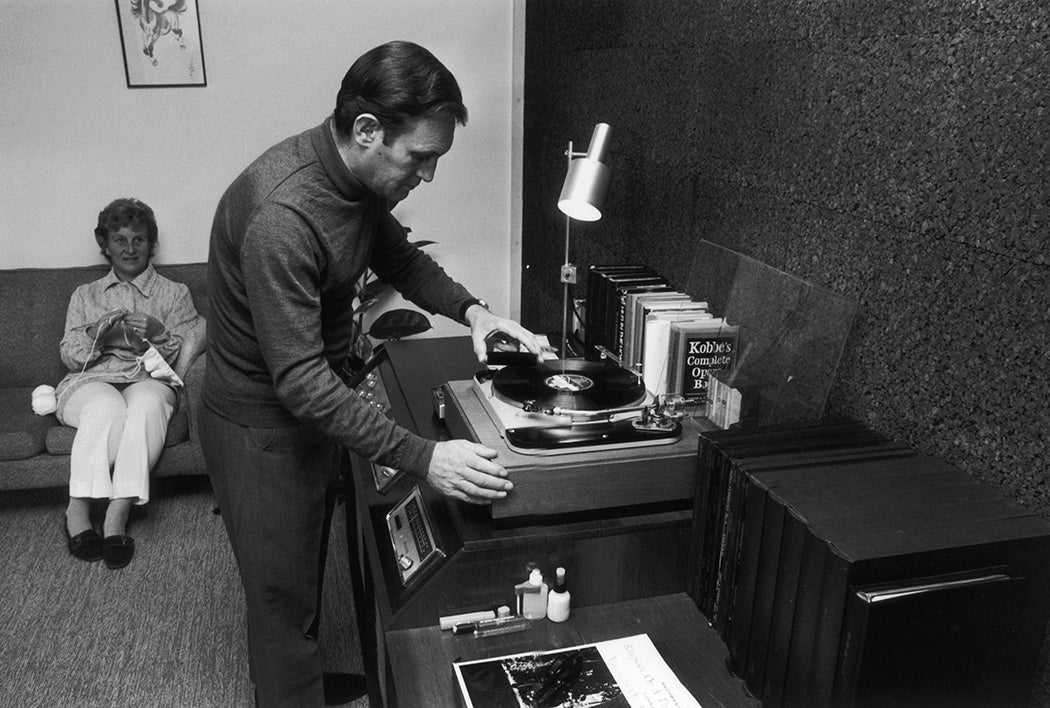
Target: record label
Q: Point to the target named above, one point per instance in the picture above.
(570, 384)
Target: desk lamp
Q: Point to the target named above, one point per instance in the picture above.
(582, 195)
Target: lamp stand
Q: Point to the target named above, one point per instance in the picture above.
(568, 274)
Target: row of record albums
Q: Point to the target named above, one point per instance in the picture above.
(842, 568)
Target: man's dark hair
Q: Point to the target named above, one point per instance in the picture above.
(125, 212)
(395, 82)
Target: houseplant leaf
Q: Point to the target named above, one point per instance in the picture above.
(396, 324)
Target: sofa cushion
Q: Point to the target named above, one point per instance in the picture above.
(60, 438)
(23, 433)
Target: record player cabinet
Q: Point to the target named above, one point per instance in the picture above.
(611, 554)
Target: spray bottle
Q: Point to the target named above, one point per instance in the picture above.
(532, 595)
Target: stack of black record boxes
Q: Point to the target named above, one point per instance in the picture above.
(842, 568)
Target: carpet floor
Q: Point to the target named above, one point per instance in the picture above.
(167, 630)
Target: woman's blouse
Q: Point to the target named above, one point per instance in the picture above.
(149, 293)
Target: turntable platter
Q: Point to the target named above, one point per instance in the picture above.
(571, 384)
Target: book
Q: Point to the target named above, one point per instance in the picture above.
(638, 306)
(621, 308)
(695, 349)
(656, 349)
(607, 297)
(619, 672)
(765, 588)
(683, 308)
(597, 277)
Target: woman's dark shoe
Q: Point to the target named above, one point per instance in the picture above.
(117, 551)
(86, 545)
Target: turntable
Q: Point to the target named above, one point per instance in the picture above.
(577, 435)
(569, 405)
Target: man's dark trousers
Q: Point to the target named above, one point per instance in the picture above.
(276, 490)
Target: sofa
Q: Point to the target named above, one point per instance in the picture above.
(34, 449)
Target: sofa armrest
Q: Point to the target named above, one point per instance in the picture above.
(193, 344)
(193, 390)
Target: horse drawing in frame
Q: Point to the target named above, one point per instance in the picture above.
(156, 19)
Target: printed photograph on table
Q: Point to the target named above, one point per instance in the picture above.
(619, 673)
(161, 42)
(517, 681)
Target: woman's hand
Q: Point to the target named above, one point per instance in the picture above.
(105, 323)
(143, 326)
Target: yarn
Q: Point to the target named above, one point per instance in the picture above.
(44, 401)
(158, 368)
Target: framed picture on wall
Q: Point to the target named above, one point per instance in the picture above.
(161, 41)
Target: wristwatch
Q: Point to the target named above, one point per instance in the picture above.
(467, 305)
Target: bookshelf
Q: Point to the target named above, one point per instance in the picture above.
(782, 337)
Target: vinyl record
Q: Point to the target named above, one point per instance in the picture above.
(570, 383)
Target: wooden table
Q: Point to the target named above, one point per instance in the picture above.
(421, 659)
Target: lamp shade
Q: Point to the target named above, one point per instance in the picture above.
(587, 179)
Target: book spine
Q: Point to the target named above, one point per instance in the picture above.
(654, 368)
(621, 317)
(705, 505)
(791, 548)
(765, 588)
(743, 601)
(725, 551)
(628, 331)
(595, 279)
(674, 340)
(822, 671)
(703, 482)
(805, 627)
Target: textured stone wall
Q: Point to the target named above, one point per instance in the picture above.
(893, 152)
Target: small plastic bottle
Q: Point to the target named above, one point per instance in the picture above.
(534, 602)
(558, 602)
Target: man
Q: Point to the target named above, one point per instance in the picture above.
(291, 237)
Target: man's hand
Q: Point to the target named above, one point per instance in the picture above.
(483, 323)
(465, 470)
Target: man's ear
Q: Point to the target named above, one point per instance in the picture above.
(367, 129)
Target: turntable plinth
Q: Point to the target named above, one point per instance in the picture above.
(583, 481)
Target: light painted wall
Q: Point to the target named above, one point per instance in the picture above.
(73, 136)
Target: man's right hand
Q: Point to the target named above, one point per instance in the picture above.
(466, 471)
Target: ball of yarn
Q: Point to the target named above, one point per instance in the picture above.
(44, 401)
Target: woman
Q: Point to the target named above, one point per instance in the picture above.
(118, 394)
